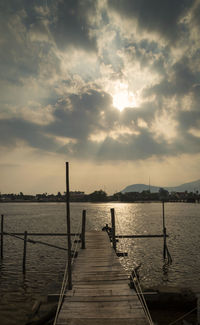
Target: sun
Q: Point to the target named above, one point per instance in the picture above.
(122, 97)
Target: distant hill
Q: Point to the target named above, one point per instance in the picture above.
(190, 187)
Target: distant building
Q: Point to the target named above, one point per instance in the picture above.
(77, 196)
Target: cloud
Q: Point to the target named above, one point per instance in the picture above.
(189, 119)
(161, 17)
(180, 80)
(196, 15)
(80, 114)
(14, 132)
(72, 24)
(61, 63)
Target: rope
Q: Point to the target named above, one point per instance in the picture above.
(65, 280)
(36, 241)
(190, 312)
(63, 288)
(75, 243)
(7, 233)
(138, 287)
(169, 258)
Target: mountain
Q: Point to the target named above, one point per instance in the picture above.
(190, 187)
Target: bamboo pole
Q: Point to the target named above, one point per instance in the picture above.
(140, 236)
(164, 231)
(83, 229)
(113, 227)
(2, 224)
(24, 254)
(198, 309)
(163, 213)
(68, 228)
(77, 234)
(40, 234)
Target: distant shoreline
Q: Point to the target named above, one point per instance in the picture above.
(156, 201)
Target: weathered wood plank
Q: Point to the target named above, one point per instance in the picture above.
(97, 321)
(102, 298)
(100, 294)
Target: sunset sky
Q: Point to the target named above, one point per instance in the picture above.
(112, 86)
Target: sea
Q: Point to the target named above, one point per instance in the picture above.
(45, 265)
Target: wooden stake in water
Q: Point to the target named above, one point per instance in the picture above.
(83, 230)
(198, 309)
(2, 220)
(113, 228)
(68, 228)
(164, 231)
(24, 255)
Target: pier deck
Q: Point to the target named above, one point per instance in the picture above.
(100, 293)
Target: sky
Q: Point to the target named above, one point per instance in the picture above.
(111, 86)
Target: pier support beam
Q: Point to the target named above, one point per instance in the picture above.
(2, 224)
(24, 254)
(113, 227)
(198, 309)
(68, 229)
(83, 229)
(164, 232)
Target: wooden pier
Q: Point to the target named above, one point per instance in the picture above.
(100, 293)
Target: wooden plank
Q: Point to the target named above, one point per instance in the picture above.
(94, 310)
(100, 294)
(2, 233)
(97, 321)
(101, 298)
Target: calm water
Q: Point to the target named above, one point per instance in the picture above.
(45, 265)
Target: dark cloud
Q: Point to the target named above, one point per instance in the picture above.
(14, 66)
(27, 29)
(133, 147)
(189, 119)
(196, 15)
(181, 80)
(14, 130)
(129, 116)
(184, 78)
(125, 147)
(71, 25)
(67, 21)
(81, 109)
(196, 93)
(149, 54)
(130, 147)
(185, 144)
(154, 15)
(80, 115)
(22, 57)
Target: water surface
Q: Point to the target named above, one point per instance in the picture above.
(45, 265)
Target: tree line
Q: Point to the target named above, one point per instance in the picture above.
(102, 196)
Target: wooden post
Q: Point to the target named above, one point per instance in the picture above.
(198, 309)
(2, 220)
(68, 229)
(163, 213)
(113, 228)
(24, 255)
(83, 230)
(164, 231)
